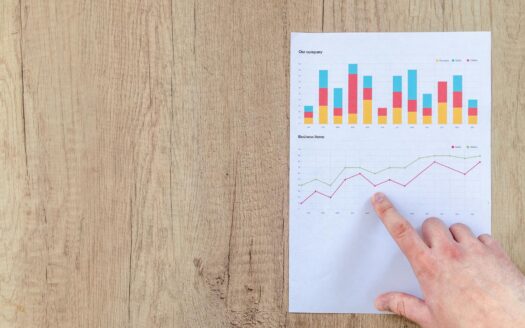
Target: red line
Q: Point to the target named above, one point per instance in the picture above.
(426, 168)
(323, 194)
(472, 168)
(308, 197)
(388, 180)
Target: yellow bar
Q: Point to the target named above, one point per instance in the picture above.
(367, 111)
(412, 117)
(442, 113)
(381, 119)
(457, 117)
(308, 120)
(352, 118)
(323, 114)
(472, 120)
(427, 119)
(398, 115)
(338, 120)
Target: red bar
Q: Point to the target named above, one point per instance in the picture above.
(367, 93)
(472, 111)
(323, 96)
(442, 91)
(412, 105)
(427, 111)
(381, 111)
(398, 100)
(352, 93)
(457, 99)
(338, 111)
(308, 114)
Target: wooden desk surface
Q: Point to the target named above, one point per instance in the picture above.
(144, 154)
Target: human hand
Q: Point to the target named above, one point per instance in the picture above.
(466, 281)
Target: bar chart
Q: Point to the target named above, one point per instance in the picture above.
(383, 114)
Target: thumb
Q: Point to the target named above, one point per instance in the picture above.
(405, 305)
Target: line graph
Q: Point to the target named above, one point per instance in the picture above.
(384, 169)
(434, 163)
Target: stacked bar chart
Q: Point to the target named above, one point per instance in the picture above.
(473, 111)
(308, 114)
(352, 93)
(442, 102)
(323, 97)
(367, 99)
(338, 106)
(412, 112)
(381, 115)
(397, 99)
(457, 99)
(427, 108)
(412, 96)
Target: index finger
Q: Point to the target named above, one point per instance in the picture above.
(399, 228)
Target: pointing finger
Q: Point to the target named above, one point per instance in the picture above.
(399, 228)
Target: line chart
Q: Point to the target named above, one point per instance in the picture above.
(384, 169)
(434, 163)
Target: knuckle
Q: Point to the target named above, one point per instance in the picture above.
(401, 307)
(386, 209)
(424, 265)
(451, 251)
(400, 229)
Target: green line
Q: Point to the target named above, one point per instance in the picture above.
(382, 170)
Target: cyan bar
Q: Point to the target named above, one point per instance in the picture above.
(412, 84)
(397, 83)
(472, 103)
(308, 109)
(427, 100)
(367, 81)
(457, 83)
(323, 79)
(338, 98)
(352, 68)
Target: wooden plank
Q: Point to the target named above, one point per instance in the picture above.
(470, 15)
(508, 119)
(19, 226)
(230, 135)
(97, 93)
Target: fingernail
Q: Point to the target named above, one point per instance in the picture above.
(378, 197)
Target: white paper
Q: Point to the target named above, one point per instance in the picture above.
(341, 256)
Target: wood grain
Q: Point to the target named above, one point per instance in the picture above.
(144, 154)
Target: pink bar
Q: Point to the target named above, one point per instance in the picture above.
(472, 111)
(308, 114)
(442, 92)
(457, 99)
(367, 93)
(427, 111)
(323, 97)
(412, 105)
(397, 100)
(338, 111)
(352, 93)
(381, 111)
